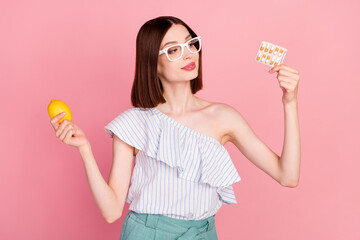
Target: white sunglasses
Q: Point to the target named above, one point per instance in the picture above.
(175, 52)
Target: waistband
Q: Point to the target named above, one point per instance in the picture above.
(188, 228)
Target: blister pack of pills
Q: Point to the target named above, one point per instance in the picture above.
(270, 54)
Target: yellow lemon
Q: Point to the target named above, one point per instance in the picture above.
(57, 106)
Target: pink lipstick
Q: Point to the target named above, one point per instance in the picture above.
(189, 67)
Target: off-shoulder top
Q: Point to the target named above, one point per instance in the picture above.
(179, 172)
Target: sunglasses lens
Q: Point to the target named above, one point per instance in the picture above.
(174, 52)
(194, 45)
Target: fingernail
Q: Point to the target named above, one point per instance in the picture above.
(63, 113)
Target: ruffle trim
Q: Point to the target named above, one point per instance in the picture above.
(197, 157)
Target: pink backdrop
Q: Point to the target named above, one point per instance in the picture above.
(83, 52)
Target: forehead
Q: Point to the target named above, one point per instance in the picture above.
(176, 32)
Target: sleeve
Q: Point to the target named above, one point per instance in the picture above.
(128, 126)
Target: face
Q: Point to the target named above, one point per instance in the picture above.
(171, 71)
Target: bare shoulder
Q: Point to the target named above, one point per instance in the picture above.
(224, 112)
(237, 129)
(225, 118)
(224, 108)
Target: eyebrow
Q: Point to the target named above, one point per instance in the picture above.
(175, 41)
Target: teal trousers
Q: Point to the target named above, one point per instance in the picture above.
(140, 226)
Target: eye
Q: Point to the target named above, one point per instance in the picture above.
(172, 51)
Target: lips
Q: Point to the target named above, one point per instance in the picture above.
(189, 66)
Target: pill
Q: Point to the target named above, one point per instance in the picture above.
(258, 56)
(263, 46)
(268, 59)
(276, 61)
(272, 60)
(271, 49)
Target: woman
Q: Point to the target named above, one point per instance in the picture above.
(183, 173)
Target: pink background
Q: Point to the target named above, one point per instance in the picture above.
(83, 52)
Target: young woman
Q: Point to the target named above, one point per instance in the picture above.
(182, 173)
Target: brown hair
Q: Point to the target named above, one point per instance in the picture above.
(147, 90)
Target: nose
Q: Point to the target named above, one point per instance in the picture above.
(186, 53)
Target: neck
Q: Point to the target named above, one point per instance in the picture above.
(179, 98)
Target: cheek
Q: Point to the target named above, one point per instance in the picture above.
(159, 71)
(168, 70)
(160, 68)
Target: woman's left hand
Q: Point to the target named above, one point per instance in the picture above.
(289, 81)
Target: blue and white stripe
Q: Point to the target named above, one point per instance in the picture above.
(179, 172)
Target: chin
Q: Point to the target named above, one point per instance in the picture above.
(187, 76)
(192, 76)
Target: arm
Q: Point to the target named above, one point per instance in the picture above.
(291, 153)
(110, 197)
(284, 169)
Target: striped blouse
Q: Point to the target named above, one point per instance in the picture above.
(179, 172)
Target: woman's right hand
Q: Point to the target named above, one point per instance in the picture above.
(68, 132)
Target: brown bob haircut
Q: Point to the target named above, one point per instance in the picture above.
(147, 90)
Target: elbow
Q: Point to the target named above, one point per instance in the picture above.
(292, 183)
(108, 220)
(111, 219)
(114, 215)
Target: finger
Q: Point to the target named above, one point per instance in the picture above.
(55, 126)
(66, 130)
(287, 79)
(61, 128)
(55, 120)
(283, 66)
(68, 136)
(283, 72)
